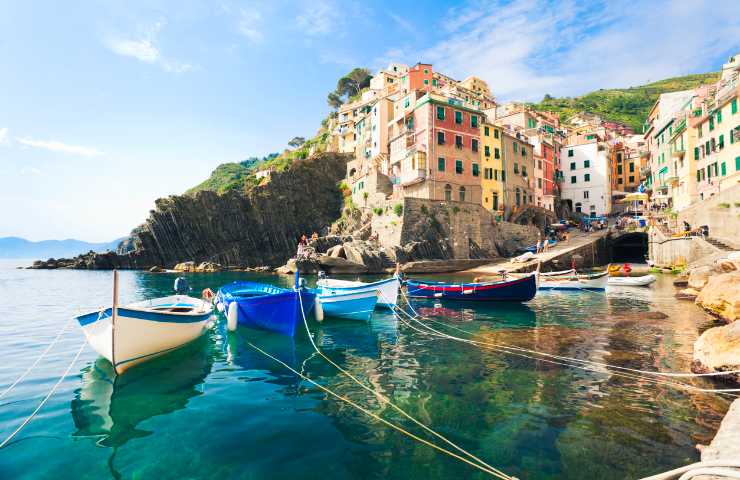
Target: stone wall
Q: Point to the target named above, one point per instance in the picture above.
(666, 251)
(721, 213)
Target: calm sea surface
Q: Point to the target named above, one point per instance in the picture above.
(219, 409)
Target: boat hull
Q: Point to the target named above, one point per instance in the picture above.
(517, 290)
(642, 281)
(387, 289)
(574, 282)
(351, 306)
(141, 334)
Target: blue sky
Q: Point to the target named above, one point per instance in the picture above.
(107, 105)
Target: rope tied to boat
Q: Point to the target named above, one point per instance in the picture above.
(481, 465)
(45, 399)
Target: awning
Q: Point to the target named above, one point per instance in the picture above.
(634, 197)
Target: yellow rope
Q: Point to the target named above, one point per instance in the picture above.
(380, 419)
(385, 399)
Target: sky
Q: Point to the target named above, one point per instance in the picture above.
(106, 106)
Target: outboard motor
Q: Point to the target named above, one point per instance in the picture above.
(182, 287)
(322, 274)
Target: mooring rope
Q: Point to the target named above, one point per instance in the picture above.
(584, 364)
(379, 418)
(699, 468)
(40, 357)
(387, 400)
(46, 398)
(600, 364)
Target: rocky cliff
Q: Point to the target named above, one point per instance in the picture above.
(258, 226)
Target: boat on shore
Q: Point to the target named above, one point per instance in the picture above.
(515, 290)
(642, 281)
(350, 306)
(387, 289)
(134, 333)
(265, 306)
(571, 280)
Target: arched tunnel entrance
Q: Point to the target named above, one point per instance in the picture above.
(629, 247)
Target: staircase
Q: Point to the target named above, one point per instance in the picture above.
(720, 245)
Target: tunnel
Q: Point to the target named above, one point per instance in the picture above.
(629, 247)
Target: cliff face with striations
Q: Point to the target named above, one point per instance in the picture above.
(258, 227)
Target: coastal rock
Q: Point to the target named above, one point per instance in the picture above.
(156, 269)
(687, 294)
(725, 266)
(721, 296)
(681, 281)
(340, 265)
(718, 350)
(208, 267)
(726, 444)
(185, 267)
(699, 277)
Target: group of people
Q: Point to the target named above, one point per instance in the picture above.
(303, 248)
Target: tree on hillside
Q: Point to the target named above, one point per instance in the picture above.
(348, 86)
(296, 142)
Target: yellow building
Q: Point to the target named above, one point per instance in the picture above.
(492, 184)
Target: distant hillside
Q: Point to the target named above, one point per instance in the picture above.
(626, 105)
(15, 247)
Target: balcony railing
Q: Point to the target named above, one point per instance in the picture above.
(678, 152)
(413, 176)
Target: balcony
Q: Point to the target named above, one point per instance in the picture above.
(410, 139)
(678, 153)
(413, 176)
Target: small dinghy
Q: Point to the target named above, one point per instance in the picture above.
(571, 280)
(264, 306)
(517, 290)
(351, 306)
(140, 331)
(387, 289)
(642, 281)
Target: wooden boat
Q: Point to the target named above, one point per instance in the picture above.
(517, 290)
(352, 305)
(264, 306)
(571, 280)
(387, 289)
(137, 332)
(642, 281)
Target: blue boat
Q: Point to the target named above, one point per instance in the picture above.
(264, 306)
(517, 290)
(351, 305)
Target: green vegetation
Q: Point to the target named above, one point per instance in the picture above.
(378, 211)
(398, 209)
(627, 105)
(724, 205)
(349, 87)
(226, 177)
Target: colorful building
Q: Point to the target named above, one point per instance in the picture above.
(492, 182)
(517, 172)
(586, 168)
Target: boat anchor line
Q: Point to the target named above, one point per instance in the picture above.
(38, 359)
(46, 398)
(478, 463)
(584, 364)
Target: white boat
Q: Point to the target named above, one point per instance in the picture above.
(642, 281)
(570, 280)
(387, 289)
(137, 332)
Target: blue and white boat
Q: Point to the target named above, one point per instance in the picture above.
(352, 305)
(264, 306)
(387, 290)
(140, 331)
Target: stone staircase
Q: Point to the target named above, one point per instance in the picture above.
(719, 244)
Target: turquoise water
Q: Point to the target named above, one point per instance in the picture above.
(219, 409)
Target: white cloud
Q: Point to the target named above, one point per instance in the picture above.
(145, 50)
(250, 25)
(527, 48)
(321, 17)
(56, 146)
(30, 171)
(3, 136)
(402, 22)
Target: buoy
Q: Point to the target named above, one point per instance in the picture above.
(318, 310)
(232, 316)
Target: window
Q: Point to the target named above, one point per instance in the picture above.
(441, 164)
(737, 164)
(458, 141)
(711, 123)
(488, 173)
(406, 102)
(721, 142)
(632, 179)
(572, 165)
(539, 183)
(619, 169)
(573, 179)
(486, 131)
(495, 133)
(734, 106)
(585, 194)
(474, 121)
(458, 167)
(516, 167)
(719, 117)
(476, 171)
(524, 171)
(448, 192)
(587, 177)
(503, 173)
(516, 147)
(440, 138)
(426, 71)
(539, 164)
(578, 207)
(518, 197)
(586, 163)
(496, 153)
(426, 82)
(619, 181)
(462, 194)
(632, 167)
(524, 152)
(495, 174)
(696, 153)
(723, 169)
(440, 113)
(570, 152)
(487, 151)
(474, 144)
(495, 200)
(531, 123)
(458, 117)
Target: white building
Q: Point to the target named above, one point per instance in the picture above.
(586, 178)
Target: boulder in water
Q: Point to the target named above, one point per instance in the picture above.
(721, 296)
(718, 350)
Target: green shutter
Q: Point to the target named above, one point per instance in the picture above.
(476, 172)
(587, 177)
(487, 150)
(696, 153)
(724, 169)
(711, 123)
(719, 117)
(721, 141)
(458, 166)
(496, 153)
(734, 106)
(440, 113)
(474, 121)
(486, 131)
(441, 164)
(458, 117)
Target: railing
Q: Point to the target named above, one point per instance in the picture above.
(413, 176)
